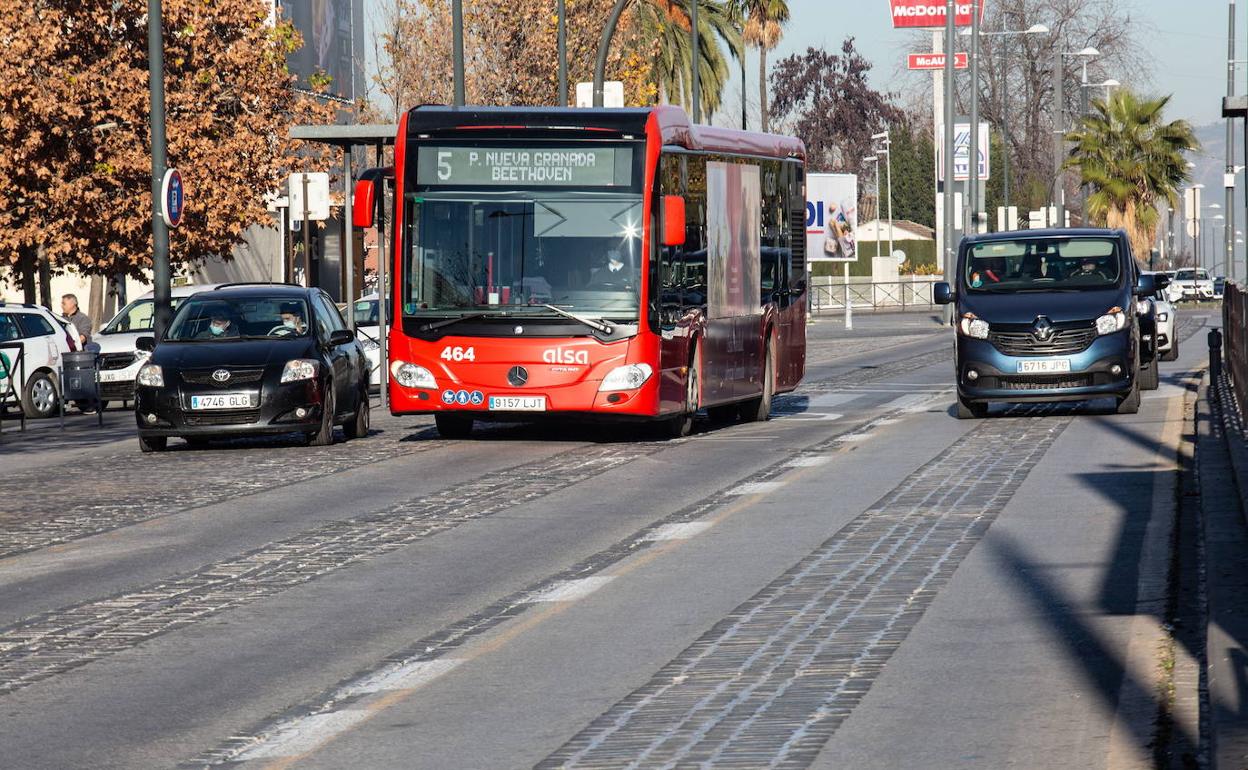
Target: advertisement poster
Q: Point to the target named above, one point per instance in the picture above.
(734, 238)
(962, 152)
(832, 217)
(333, 43)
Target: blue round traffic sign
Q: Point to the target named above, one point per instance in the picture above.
(174, 196)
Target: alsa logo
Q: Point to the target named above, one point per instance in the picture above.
(565, 356)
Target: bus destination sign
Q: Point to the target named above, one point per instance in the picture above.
(524, 166)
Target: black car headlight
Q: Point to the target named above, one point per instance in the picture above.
(299, 369)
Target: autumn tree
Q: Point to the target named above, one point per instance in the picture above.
(825, 100)
(75, 179)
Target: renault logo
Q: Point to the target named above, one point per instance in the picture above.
(518, 376)
(1043, 328)
(221, 375)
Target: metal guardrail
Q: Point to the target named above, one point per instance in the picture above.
(12, 380)
(888, 295)
(1235, 340)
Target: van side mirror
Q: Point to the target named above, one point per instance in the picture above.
(673, 220)
(146, 344)
(942, 293)
(1146, 286)
(364, 203)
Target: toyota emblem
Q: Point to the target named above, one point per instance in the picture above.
(221, 375)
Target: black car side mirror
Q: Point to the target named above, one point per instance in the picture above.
(942, 293)
(1161, 280)
(340, 337)
(146, 344)
(1146, 286)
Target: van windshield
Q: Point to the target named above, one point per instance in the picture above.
(1043, 264)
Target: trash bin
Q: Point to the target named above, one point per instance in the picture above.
(80, 380)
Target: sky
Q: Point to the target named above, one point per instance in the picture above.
(1188, 48)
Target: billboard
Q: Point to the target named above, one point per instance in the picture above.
(734, 235)
(832, 217)
(935, 61)
(919, 14)
(333, 43)
(962, 152)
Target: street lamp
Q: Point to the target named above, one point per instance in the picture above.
(1034, 29)
(1059, 120)
(876, 160)
(886, 143)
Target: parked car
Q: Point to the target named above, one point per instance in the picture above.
(1219, 286)
(1049, 315)
(367, 328)
(255, 359)
(1194, 283)
(120, 359)
(1165, 320)
(44, 337)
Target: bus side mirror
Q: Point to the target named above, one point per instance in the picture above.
(673, 220)
(364, 203)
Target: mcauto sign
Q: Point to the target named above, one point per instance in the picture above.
(912, 14)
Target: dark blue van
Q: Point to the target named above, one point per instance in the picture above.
(1051, 315)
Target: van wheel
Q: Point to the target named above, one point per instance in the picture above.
(153, 443)
(969, 410)
(453, 425)
(1130, 403)
(759, 409)
(1150, 378)
(682, 424)
(39, 397)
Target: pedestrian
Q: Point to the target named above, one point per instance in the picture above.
(82, 324)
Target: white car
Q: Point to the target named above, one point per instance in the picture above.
(44, 339)
(120, 359)
(1166, 317)
(368, 331)
(1194, 283)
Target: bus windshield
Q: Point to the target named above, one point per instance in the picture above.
(516, 251)
(1043, 264)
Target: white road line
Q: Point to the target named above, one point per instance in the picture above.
(401, 676)
(755, 487)
(831, 399)
(910, 403)
(808, 462)
(679, 531)
(571, 590)
(812, 415)
(298, 736)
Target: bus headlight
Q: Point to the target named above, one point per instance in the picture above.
(628, 377)
(1113, 321)
(412, 376)
(151, 376)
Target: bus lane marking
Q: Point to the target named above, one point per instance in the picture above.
(571, 590)
(678, 531)
(302, 735)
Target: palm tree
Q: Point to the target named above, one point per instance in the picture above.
(668, 24)
(763, 30)
(1132, 161)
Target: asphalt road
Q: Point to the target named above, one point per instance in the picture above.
(863, 581)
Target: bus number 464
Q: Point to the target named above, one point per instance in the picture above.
(458, 354)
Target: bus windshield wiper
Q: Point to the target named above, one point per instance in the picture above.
(448, 321)
(590, 322)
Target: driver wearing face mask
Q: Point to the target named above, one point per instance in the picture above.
(219, 327)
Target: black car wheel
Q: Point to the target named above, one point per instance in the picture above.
(152, 443)
(325, 436)
(357, 426)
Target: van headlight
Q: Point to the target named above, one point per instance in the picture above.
(628, 377)
(973, 327)
(151, 376)
(298, 370)
(1113, 321)
(413, 376)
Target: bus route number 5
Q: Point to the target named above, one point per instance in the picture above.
(444, 166)
(458, 354)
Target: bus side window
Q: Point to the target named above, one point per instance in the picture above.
(694, 252)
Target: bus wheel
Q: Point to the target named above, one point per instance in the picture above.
(758, 409)
(453, 425)
(682, 424)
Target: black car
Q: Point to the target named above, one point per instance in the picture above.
(1051, 315)
(252, 359)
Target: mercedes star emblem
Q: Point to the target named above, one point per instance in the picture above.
(518, 376)
(518, 330)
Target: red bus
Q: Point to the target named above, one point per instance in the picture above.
(617, 264)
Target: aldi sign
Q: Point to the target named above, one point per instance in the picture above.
(935, 61)
(918, 14)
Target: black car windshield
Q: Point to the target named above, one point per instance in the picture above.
(217, 319)
(1043, 264)
(135, 317)
(515, 252)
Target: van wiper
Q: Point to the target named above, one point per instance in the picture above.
(449, 321)
(592, 323)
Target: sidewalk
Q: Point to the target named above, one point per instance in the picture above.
(1222, 470)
